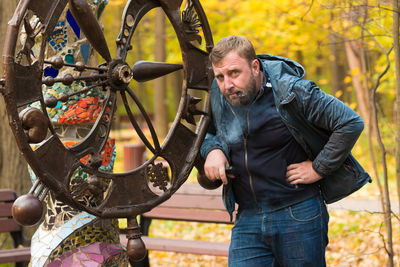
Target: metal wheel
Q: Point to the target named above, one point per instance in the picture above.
(126, 194)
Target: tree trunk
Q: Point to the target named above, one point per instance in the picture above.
(334, 62)
(13, 168)
(141, 86)
(160, 94)
(396, 48)
(355, 69)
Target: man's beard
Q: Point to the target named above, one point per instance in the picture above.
(243, 97)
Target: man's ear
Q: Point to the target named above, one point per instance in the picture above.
(255, 66)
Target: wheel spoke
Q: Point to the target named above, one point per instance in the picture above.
(68, 79)
(79, 66)
(147, 118)
(144, 71)
(89, 25)
(136, 125)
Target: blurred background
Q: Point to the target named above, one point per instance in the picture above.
(349, 48)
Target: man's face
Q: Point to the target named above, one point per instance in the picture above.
(236, 79)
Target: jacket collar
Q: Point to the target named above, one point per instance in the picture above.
(283, 73)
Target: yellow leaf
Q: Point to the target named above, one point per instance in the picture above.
(347, 79)
(355, 71)
(353, 105)
(338, 94)
(323, 82)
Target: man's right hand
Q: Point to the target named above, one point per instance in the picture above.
(214, 167)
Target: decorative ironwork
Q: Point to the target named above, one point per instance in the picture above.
(158, 176)
(191, 22)
(40, 82)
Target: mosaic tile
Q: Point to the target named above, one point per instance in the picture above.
(50, 72)
(59, 38)
(85, 52)
(69, 59)
(97, 257)
(74, 25)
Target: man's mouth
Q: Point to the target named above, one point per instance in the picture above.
(238, 94)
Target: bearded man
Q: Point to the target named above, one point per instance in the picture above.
(289, 143)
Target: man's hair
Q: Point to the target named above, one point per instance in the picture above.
(239, 44)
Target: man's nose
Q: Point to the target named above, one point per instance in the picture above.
(228, 83)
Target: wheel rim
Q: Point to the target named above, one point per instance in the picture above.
(128, 194)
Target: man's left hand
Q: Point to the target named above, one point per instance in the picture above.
(302, 173)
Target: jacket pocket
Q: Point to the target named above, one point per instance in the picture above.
(347, 179)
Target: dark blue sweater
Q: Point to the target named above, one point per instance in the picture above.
(261, 154)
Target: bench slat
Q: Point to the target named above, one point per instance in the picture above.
(196, 189)
(7, 195)
(195, 201)
(9, 225)
(5, 209)
(183, 246)
(211, 216)
(15, 255)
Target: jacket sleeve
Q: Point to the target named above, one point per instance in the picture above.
(213, 139)
(329, 113)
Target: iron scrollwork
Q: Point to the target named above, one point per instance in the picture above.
(31, 70)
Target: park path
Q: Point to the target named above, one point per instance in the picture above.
(348, 203)
(367, 205)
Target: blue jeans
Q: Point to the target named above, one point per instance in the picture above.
(294, 236)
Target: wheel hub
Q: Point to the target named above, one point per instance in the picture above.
(120, 74)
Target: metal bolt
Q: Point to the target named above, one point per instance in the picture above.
(80, 66)
(68, 79)
(58, 63)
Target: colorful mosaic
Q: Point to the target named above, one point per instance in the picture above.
(70, 237)
(107, 156)
(91, 255)
(58, 38)
(88, 244)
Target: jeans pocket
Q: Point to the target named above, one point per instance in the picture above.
(306, 210)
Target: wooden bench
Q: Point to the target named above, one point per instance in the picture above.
(190, 203)
(7, 225)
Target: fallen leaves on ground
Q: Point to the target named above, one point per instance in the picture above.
(355, 239)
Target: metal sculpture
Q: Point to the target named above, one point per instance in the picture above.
(118, 195)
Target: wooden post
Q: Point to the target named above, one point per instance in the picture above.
(133, 155)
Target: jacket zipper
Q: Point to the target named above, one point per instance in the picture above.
(245, 146)
(248, 171)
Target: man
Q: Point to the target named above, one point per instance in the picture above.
(289, 143)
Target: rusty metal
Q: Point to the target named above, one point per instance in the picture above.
(128, 194)
(82, 12)
(27, 210)
(2, 84)
(34, 124)
(135, 247)
(144, 71)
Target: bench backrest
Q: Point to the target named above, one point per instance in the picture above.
(7, 223)
(192, 203)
